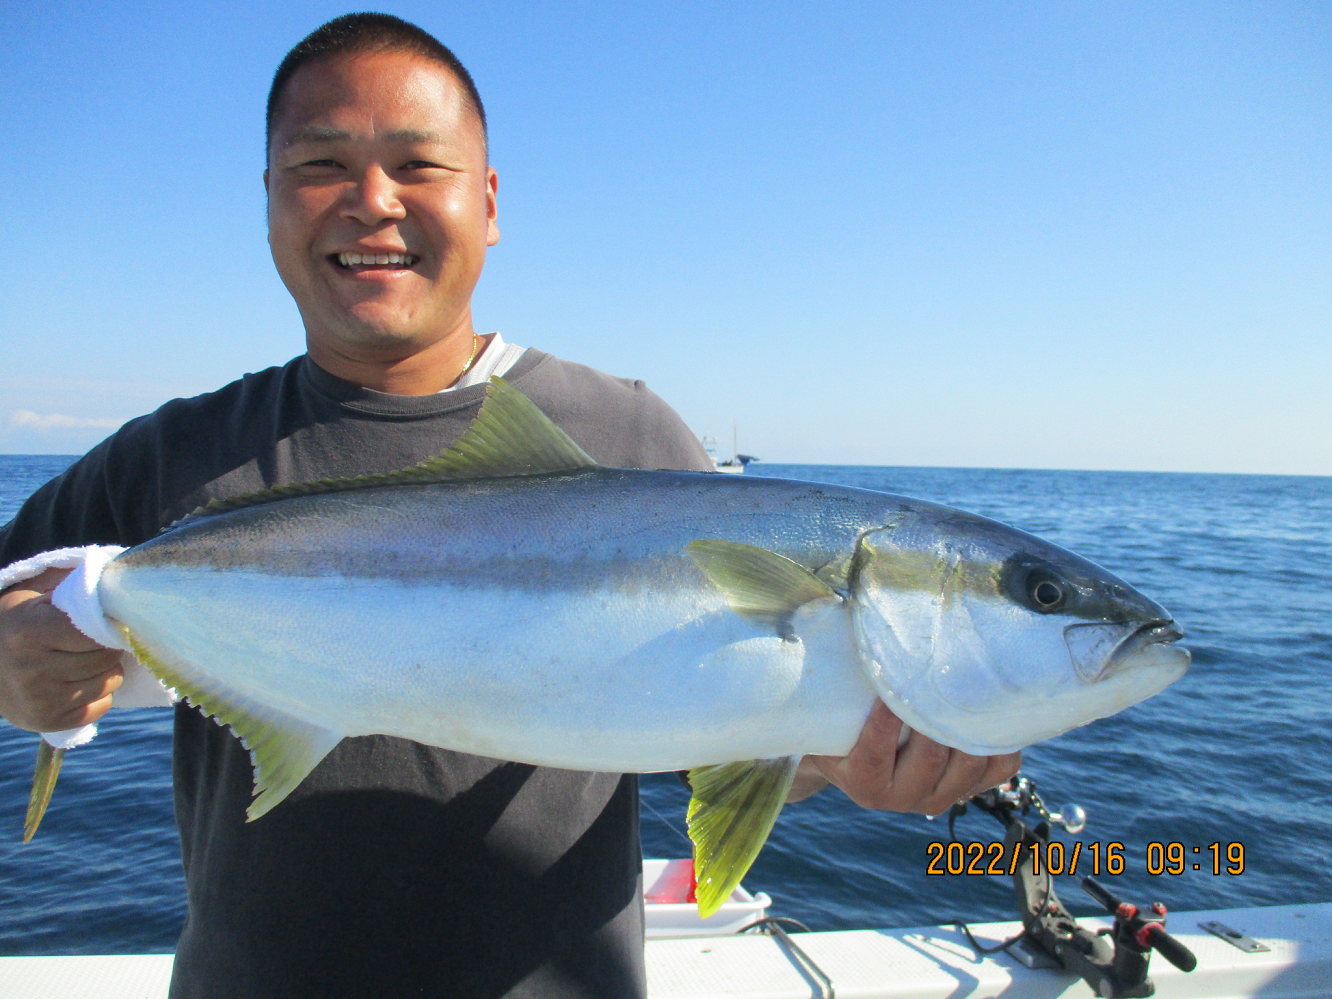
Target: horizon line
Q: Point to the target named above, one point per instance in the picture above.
(957, 468)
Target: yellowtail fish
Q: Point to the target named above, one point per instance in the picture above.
(514, 599)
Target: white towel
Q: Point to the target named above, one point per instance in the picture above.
(77, 597)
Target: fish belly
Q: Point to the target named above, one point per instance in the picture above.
(587, 678)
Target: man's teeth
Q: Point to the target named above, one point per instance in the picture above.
(349, 259)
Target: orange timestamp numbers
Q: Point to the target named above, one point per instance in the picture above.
(1055, 857)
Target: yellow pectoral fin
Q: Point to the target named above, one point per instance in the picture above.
(761, 586)
(43, 783)
(730, 815)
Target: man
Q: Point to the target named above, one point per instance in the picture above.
(395, 869)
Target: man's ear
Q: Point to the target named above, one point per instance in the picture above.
(265, 180)
(492, 207)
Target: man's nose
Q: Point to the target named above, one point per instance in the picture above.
(373, 198)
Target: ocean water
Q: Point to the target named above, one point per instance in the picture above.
(1238, 751)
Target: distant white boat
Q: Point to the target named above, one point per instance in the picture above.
(737, 462)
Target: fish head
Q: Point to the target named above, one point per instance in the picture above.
(988, 639)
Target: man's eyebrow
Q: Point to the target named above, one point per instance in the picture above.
(412, 135)
(318, 133)
(327, 133)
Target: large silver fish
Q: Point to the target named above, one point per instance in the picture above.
(514, 599)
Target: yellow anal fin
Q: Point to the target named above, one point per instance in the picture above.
(283, 749)
(732, 811)
(44, 776)
(760, 585)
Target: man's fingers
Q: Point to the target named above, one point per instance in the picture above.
(52, 676)
(73, 704)
(921, 765)
(997, 771)
(45, 625)
(61, 690)
(84, 714)
(921, 776)
(875, 752)
(80, 667)
(866, 774)
(94, 687)
(878, 774)
(43, 582)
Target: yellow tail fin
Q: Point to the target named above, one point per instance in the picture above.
(43, 783)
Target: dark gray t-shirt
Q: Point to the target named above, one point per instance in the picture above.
(395, 869)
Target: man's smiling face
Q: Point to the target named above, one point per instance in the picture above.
(380, 204)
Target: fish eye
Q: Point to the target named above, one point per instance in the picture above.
(1047, 592)
(1037, 585)
(1048, 595)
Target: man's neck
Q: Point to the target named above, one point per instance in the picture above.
(424, 372)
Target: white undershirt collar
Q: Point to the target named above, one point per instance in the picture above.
(496, 358)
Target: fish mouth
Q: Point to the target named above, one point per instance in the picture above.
(1152, 633)
(1101, 650)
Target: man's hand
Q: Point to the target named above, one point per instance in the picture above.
(922, 776)
(52, 677)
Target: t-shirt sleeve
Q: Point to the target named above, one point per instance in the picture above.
(87, 504)
(664, 440)
(150, 472)
(620, 422)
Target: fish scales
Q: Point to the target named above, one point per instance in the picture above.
(555, 620)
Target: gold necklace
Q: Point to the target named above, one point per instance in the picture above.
(476, 346)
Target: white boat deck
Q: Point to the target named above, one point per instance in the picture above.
(919, 963)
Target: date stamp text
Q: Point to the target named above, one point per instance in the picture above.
(1097, 858)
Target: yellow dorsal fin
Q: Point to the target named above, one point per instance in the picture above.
(509, 437)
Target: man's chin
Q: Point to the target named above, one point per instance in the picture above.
(362, 339)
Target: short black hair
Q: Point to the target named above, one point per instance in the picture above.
(351, 34)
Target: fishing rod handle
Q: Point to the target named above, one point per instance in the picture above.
(1169, 948)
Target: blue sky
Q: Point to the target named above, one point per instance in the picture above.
(1058, 235)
